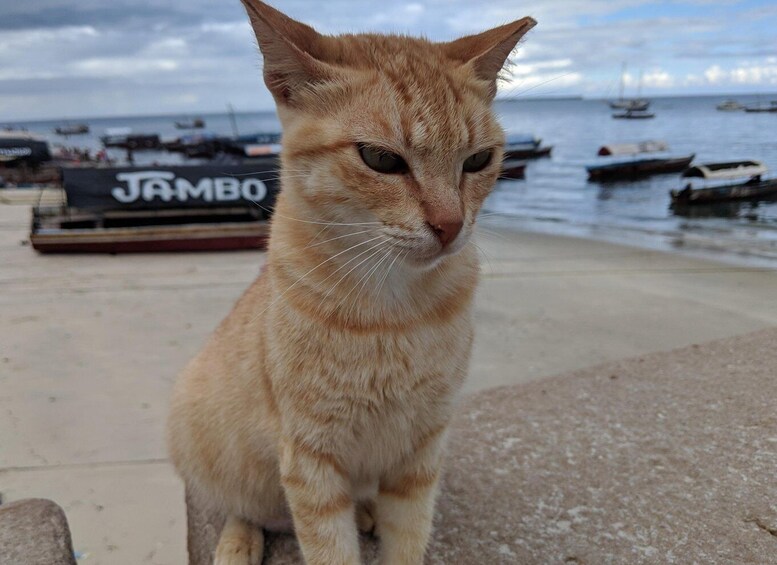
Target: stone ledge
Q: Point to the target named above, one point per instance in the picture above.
(34, 532)
(666, 458)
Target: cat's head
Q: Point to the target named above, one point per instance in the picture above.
(392, 133)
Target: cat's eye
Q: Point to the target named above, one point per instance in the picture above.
(478, 161)
(381, 160)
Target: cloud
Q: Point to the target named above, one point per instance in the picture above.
(135, 56)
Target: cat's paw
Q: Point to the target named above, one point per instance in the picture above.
(239, 544)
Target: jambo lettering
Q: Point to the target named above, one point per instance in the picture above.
(165, 186)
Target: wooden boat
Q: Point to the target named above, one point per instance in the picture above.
(638, 168)
(634, 115)
(513, 169)
(180, 208)
(196, 123)
(525, 146)
(72, 129)
(635, 168)
(147, 231)
(755, 188)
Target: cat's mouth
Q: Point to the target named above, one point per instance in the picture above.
(430, 258)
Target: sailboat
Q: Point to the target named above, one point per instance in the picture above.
(637, 104)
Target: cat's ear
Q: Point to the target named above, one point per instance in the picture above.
(487, 52)
(291, 52)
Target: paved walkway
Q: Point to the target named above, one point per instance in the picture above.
(89, 347)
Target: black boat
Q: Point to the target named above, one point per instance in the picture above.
(634, 115)
(513, 169)
(123, 138)
(755, 188)
(196, 123)
(762, 109)
(22, 148)
(159, 208)
(638, 168)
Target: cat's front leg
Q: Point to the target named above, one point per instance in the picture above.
(319, 496)
(405, 507)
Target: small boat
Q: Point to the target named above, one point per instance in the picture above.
(634, 115)
(123, 138)
(513, 169)
(22, 148)
(761, 109)
(72, 129)
(196, 146)
(196, 123)
(730, 106)
(636, 105)
(638, 168)
(525, 146)
(243, 145)
(755, 188)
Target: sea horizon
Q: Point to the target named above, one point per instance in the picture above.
(215, 112)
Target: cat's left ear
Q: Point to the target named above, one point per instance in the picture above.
(487, 52)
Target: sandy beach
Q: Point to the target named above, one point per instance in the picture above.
(90, 345)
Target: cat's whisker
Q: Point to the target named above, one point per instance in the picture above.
(491, 233)
(364, 280)
(485, 255)
(332, 238)
(312, 221)
(295, 283)
(379, 244)
(388, 270)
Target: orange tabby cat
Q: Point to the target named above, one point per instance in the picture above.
(325, 395)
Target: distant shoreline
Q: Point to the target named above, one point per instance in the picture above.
(221, 112)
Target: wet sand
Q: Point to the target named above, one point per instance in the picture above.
(89, 347)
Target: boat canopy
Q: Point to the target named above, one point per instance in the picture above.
(650, 146)
(23, 147)
(727, 170)
(521, 139)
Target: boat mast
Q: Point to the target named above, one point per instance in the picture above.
(639, 86)
(623, 81)
(231, 112)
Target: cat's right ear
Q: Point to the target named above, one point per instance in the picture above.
(487, 52)
(290, 50)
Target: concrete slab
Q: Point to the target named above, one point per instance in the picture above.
(89, 345)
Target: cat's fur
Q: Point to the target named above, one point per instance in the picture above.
(332, 381)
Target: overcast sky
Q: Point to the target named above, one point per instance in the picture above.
(70, 58)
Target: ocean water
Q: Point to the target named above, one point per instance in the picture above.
(555, 197)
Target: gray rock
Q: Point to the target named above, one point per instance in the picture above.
(34, 532)
(666, 458)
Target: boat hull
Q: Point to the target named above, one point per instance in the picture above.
(513, 170)
(153, 239)
(728, 193)
(638, 169)
(528, 152)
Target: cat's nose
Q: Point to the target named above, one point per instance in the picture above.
(446, 230)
